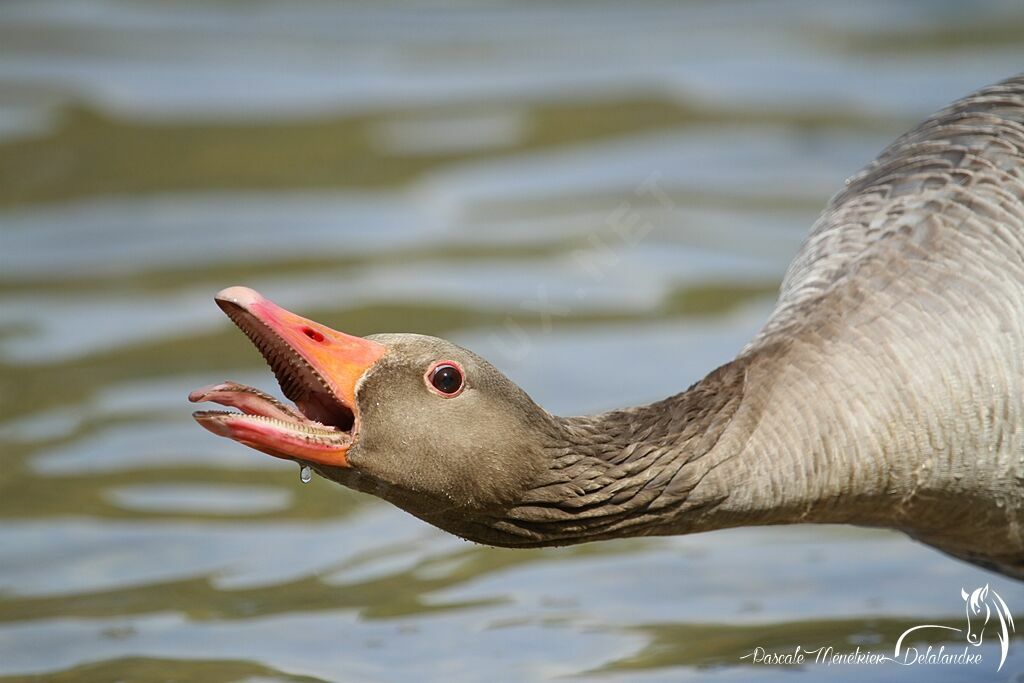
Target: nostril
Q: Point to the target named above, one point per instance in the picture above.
(312, 334)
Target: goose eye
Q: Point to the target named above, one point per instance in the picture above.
(446, 378)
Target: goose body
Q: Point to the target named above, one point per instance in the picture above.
(886, 389)
(897, 345)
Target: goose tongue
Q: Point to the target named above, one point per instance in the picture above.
(249, 400)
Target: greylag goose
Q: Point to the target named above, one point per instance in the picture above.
(886, 390)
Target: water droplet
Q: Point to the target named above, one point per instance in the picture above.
(305, 474)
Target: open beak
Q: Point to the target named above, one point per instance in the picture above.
(318, 369)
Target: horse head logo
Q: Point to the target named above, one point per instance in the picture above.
(985, 610)
(981, 605)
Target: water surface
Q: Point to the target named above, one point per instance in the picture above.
(562, 187)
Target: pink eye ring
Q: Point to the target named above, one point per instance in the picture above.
(446, 378)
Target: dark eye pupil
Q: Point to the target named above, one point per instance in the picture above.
(447, 379)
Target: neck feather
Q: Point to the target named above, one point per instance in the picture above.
(780, 435)
(652, 470)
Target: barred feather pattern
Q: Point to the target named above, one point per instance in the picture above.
(886, 389)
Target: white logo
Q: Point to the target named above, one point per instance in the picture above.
(986, 612)
(981, 603)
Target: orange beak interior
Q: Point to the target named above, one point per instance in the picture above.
(318, 368)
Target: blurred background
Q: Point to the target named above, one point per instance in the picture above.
(561, 186)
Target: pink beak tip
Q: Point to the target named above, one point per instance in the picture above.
(242, 296)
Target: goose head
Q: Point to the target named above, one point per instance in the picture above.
(413, 419)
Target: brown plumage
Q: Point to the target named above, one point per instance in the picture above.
(887, 389)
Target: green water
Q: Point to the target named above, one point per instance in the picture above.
(457, 169)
